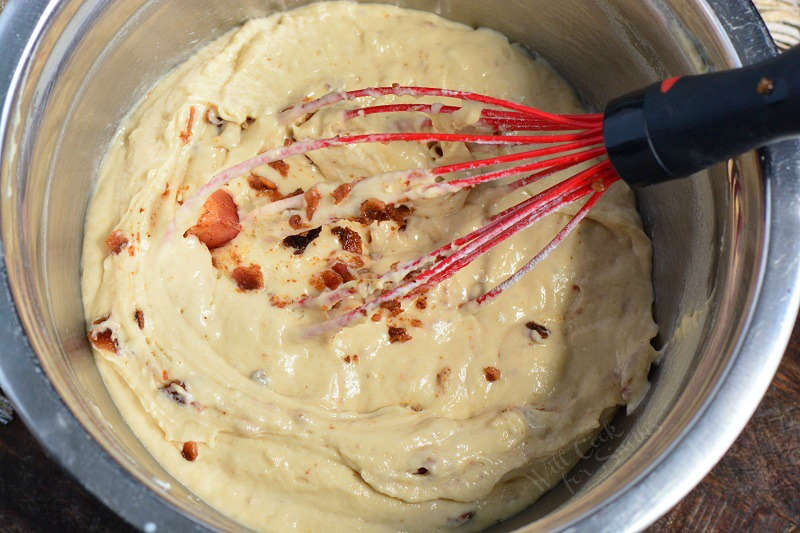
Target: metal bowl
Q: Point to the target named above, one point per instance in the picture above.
(726, 242)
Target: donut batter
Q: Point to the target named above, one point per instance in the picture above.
(424, 416)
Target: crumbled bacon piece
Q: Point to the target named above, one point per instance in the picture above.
(421, 302)
(248, 278)
(280, 166)
(169, 389)
(103, 340)
(279, 301)
(312, 198)
(350, 358)
(398, 334)
(213, 118)
(393, 306)
(331, 279)
(341, 192)
(373, 209)
(421, 471)
(376, 317)
(186, 134)
(538, 328)
(491, 373)
(295, 222)
(219, 222)
(416, 322)
(341, 269)
(442, 375)
(139, 316)
(348, 238)
(317, 282)
(260, 183)
(355, 261)
(116, 241)
(189, 451)
(300, 241)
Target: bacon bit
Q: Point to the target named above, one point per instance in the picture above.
(300, 241)
(165, 375)
(100, 319)
(139, 316)
(341, 192)
(393, 306)
(116, 241)
(187, 131)
(348, 238)
(219, 222)
(421, 302)
(421, 471)
(538, 328)
(442, 376)
(312, 198)
(317, 282)
(412, 274)
(295, 222)
(297, 192)
(168, 389)
(280, 166)
(331, 279)
(373, 209)
(398, 335)
(355, 261)
(491, 373)
(189, 451)
(341, 269)
(416, 322)
(212, 117)
(103, 340)
(248, 278)
(376, 317)
(260, 183)
(350, 358)
(461, 519)
(279, 301)
(165, 192)
(576, 288)
(399, 214)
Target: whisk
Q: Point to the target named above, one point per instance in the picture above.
(668, 130)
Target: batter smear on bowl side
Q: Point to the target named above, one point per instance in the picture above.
(424, 415)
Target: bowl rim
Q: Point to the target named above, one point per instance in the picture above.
(703, 443)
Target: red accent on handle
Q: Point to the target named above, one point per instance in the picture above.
(667, 84)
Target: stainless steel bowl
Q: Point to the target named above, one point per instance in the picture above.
(726, 242)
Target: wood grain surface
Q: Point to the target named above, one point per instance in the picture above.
(756, 486)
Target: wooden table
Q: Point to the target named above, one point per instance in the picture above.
(756, 486)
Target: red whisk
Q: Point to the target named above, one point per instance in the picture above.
(668, 130)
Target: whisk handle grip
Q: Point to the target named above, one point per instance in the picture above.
(682, 125)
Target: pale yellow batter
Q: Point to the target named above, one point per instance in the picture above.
(426, 417)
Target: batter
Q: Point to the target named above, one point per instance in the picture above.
(423, 416)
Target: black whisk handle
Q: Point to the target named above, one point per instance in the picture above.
(685, 124)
